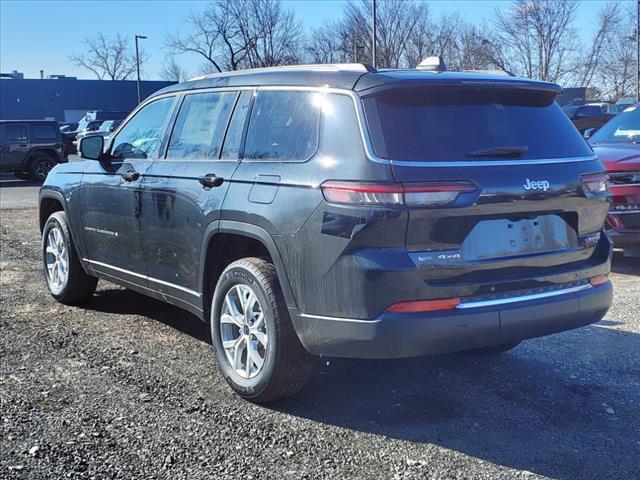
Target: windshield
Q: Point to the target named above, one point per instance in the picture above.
(452, 124)
(623, 128)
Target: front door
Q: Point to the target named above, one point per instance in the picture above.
(15, 145)
(110, 195)
(183, 192)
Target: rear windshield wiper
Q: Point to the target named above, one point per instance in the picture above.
(513, 151)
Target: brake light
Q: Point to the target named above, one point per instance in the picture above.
(595, 183)
(599, 280)
(410, 194)
(424, 305)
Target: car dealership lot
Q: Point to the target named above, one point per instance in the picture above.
(126, 387)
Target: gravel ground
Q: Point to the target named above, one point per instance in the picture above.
(126, 387)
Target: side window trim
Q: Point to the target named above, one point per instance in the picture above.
(245, 127)
(226, 128)
(173, 118)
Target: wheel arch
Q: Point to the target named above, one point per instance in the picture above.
(214, 233)
(50, 201)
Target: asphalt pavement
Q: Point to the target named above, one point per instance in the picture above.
(20, 194)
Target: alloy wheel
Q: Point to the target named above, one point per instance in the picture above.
(57, 259)
(243, 331)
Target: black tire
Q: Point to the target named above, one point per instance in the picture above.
(39, 166)
(495, 350)
(287, 365)
(78, 285)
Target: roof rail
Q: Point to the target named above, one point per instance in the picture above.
(316, 67)
(498, 71)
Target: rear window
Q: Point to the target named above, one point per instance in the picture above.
(44, 132)
(283, 126)
(442, 124)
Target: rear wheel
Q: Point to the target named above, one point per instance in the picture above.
(40, 166)
(257, 349)
(66, 279)
(495, 350)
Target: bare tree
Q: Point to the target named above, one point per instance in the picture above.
(589, 63)
(172, 71)
(616, 73)
(537, 37)
(108, 58)
(230, 35)
(324, 45)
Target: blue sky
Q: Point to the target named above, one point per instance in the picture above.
(38, 35)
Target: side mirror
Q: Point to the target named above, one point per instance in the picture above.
(91, 147)
(588, 133)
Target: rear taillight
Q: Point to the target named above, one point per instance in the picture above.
(418, 306)
(599, 280)
(594, 183)
(410, 194)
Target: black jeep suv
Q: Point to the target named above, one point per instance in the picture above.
(30, 148)
(340, 210)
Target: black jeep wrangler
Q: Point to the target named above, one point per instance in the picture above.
(340, 210)
(30, 148)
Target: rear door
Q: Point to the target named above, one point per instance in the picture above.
(184, 190)
(511, 183)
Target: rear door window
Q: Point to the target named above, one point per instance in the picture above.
(201, 125)
(44, 132)
(440, 124)
(284, 126)
(16, 133)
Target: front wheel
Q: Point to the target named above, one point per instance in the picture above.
(66, 279)
(257, 349)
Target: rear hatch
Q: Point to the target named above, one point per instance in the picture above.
(521, 198)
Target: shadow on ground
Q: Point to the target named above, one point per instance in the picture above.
(127, 302)
(541, 408)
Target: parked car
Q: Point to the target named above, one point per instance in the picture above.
(618, 145)
(30, 148)
(587, 116)
(91, 122)
(342, 211)
(104, 129)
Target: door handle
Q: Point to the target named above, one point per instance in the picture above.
(131, 176)
(211, 180)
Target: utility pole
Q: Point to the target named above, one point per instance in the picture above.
(373, 40)
(142, 37)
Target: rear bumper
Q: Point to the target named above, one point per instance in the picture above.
(410, 335)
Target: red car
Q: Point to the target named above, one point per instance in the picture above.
(617, 143)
